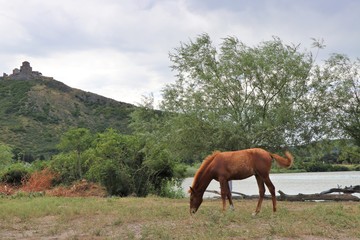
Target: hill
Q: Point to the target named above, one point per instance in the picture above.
(35, 111)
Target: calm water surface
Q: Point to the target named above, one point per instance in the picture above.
(289, 183)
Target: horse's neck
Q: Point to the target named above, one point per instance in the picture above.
(203, 183)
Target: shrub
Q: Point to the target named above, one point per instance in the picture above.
(81, 188)
(317, 167)
(15, 174)
(67, 166)
(141, 181)
(338, 168)
(114, 177)
(123, 164)
(40, 181)
(324, 167)
(357, 168)
(117, 181)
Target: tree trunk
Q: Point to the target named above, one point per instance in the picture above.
(317, 197)
(323, 196)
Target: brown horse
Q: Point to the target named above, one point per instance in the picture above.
(237, 165)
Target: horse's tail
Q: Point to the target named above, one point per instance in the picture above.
(283, 162)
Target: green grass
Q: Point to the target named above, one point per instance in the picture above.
(161, 218)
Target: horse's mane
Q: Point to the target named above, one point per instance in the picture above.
(203, 166)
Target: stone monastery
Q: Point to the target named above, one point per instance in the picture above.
(24, 73)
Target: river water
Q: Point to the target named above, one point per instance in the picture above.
(289, 183)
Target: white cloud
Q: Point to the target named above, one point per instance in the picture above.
(102, 71)
(119, 49)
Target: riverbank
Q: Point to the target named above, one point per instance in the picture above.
(160, 218)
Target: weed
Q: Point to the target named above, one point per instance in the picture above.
(97, 232)
(118, 222)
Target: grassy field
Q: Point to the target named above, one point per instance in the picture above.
(160, 218)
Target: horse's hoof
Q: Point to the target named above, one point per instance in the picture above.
(254, 214)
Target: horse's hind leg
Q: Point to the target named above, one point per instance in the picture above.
(271, 188)
(230, 196)
(261, 186)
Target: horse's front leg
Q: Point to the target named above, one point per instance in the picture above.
(225, 192)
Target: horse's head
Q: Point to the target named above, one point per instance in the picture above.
(195, 200)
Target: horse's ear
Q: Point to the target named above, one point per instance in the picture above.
(191, 190)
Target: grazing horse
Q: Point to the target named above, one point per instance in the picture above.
(237, 165)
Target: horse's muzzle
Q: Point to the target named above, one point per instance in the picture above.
(192, 211)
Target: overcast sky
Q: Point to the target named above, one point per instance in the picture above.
(119, 48)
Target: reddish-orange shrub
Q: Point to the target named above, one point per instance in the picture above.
(81, 188)
(39, 181)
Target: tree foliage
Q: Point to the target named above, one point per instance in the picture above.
(76, 141)
(162, 164)
(236, 96)
(6, 155)
(242, 96)
(343, 79)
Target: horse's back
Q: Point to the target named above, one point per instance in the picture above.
(246, 156)
(241, 164)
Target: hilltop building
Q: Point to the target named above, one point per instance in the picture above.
(24, 73)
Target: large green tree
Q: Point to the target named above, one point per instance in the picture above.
(343, 89)
(237, 96)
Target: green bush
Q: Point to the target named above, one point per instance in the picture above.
(65, 166)
(339, 168)
(324, 167)
(123, 164)
(114, 178)
(317, 167)
(15, 174)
